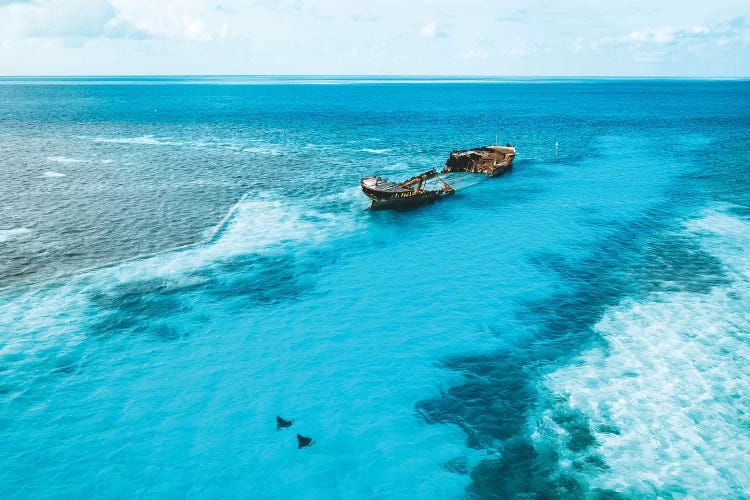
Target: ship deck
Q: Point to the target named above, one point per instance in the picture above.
(378, 184)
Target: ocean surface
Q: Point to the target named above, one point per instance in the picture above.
(182, 260)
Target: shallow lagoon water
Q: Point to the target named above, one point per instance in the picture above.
(206, 262)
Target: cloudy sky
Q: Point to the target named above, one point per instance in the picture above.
(394, 37)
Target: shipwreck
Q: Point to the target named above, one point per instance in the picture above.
(414, 191)
(490, 160)
(429, 186)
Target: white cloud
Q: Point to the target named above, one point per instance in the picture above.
(698, 30)
(655, 44)
(365, 17)
(657, 36)
(196, 30)
(428, 30)
(519, 47)
(434, 30)
(73, 19)
(735, 31)
(475, 55)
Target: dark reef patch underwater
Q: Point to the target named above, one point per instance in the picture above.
(171, 281)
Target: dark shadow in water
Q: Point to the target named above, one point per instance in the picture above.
(152, 298)
(146, 306)
(500, 390)
(265, 279)
(133, 307)
(491, 402)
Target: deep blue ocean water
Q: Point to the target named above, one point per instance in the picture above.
(183, 259)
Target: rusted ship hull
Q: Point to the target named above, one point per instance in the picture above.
(489, 160)
(380, 201)
(410, 193)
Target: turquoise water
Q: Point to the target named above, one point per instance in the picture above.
(180, 263)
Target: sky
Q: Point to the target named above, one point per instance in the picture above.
(681, 38)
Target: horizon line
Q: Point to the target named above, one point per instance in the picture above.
(375, 76)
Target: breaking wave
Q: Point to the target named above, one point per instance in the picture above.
(250, 226)
(50, 173)
(666, 398)
(10, 234)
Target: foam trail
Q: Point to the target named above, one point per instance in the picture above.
(375, 151)
(218, 228)
(352, 196)
(249, 226)
(64, 159)
(667, 399)
(10, 234)
(50, 173)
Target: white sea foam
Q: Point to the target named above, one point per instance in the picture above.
(64, 159)
(50, 173)
(351, 195)
(251, 226)
(11, 234)
(144, 139)
(375, 151)
(674, 380)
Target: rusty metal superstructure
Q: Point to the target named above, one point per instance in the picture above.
(490, 160)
